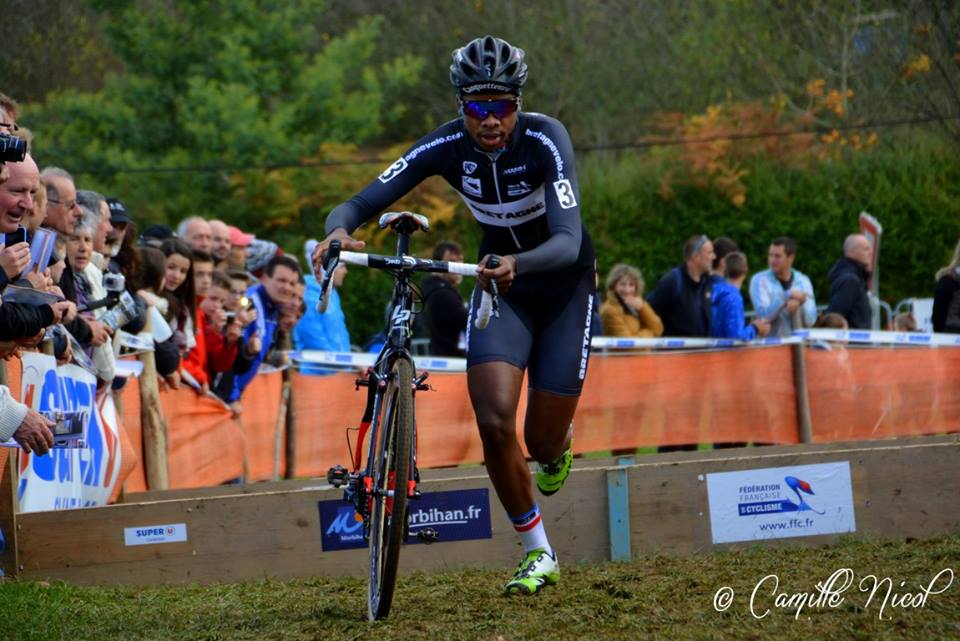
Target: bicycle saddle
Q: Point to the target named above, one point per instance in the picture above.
(404, 221)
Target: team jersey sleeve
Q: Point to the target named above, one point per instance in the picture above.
(562, 195)
(425, 158)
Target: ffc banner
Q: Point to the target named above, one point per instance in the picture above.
(781, 502)
(66, 478)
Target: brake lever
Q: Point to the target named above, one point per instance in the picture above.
(330, 262)
(492, 263)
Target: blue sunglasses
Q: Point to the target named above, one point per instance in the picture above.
(480, 109)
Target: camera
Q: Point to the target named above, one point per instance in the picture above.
(12, 149)
(230, 316)
(121, 313)
(114, 283)
(68, 427)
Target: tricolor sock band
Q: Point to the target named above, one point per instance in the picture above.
(530, 528)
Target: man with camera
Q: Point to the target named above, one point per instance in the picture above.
(19, 322)
(277, 288)
(22, 321)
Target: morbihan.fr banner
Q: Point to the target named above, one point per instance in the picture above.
(66, 478)
(457, 515)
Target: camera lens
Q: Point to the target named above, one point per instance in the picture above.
(12, 149)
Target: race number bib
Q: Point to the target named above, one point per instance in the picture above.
(565, 193)
(393, 170)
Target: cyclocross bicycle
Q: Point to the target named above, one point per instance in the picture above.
(380, 489)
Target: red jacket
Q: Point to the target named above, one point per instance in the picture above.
(195, 361)
(220, 356)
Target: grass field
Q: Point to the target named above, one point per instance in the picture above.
(655, 597)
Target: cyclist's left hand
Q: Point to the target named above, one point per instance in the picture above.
(504, 274)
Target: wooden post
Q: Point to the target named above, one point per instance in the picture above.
(804, 425)
(153, 423)
(9, 561)
(280, 425)
(290, 416)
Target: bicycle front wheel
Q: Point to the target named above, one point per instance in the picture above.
(391, 470)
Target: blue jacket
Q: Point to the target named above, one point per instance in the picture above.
(326, 331)
(728, 320)
(265, 326)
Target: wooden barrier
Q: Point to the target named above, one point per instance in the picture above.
(903, 488)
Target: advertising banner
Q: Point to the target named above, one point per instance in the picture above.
(66, 478)
(457, 515)
(781, 502)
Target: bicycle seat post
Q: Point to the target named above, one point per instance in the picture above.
(403, 241)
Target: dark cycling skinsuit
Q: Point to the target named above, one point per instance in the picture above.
(526, 200)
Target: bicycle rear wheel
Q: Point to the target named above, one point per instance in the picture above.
(391, 469)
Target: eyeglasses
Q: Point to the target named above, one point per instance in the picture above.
(68, 206)
(480, 109)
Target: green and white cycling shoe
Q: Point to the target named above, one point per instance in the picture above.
(552, 476)
(537, 569)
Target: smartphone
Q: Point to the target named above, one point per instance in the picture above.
(19, 236)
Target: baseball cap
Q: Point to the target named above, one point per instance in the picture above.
(240, 239)
(118, 212)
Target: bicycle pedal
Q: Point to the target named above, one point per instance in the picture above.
(428, 535)
(337, 476)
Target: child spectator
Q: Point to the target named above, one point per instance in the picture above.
(222, 330)
(149, 287)
(727, 302)
(905, 323)
(179, 289)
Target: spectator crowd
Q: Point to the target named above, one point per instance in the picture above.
(220, 304)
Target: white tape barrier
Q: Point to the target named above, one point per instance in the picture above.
(879, 338)
(354, 360)
(611, 342)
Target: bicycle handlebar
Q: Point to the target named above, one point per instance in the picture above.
(489, 303)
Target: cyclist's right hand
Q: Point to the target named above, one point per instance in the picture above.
(504, 274)
(346, 242)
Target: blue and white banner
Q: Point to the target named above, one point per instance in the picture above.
(781, 502)
(458, 515)
(67, 478)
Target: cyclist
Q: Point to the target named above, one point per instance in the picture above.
(515, 172)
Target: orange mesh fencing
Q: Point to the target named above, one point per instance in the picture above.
(627, 401)
(204, 444)
(136, 480)
(258, 421)
(872, 393)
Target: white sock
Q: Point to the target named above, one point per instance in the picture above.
(530, 528)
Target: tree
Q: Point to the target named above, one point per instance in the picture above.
(219, 87)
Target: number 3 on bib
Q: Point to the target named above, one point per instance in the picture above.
(565, 193)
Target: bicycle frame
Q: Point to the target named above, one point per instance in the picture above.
(376, 488)
(397, 346)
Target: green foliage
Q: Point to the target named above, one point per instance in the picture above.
(225, 84)
(914, 193)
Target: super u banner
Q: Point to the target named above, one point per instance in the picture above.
(66, 478)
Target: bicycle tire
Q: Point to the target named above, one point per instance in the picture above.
(389, 514)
